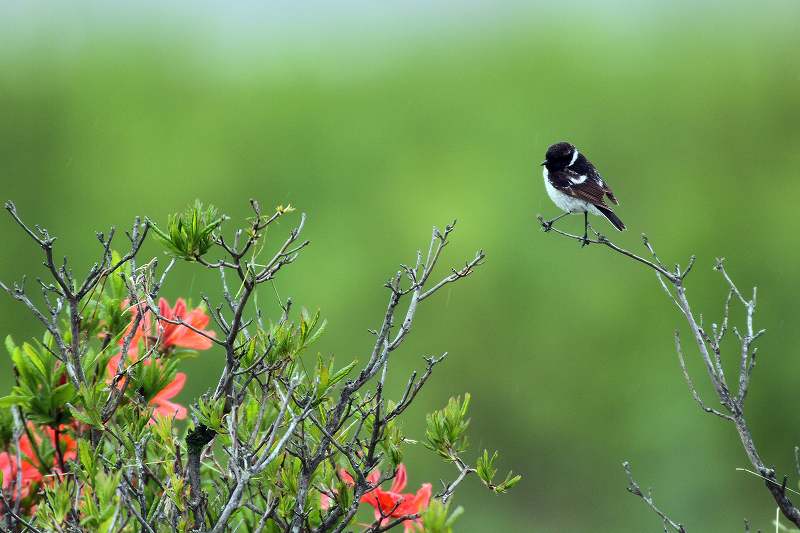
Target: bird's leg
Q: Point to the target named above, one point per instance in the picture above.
(547, 224)
(585, 229)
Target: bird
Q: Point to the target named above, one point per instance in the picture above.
(575, 186)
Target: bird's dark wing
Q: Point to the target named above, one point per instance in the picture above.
(607, 189)
(584, 167)
(587, 187)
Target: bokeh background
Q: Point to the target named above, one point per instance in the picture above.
(382, 119)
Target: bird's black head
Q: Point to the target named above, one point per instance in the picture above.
(559, 156)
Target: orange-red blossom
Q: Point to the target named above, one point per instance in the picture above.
(392, 504)
(161, 401)
(168, 335)
(31, 469)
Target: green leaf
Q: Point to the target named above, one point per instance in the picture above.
(323, 372)
(446, 428)
(509, 482)
(343, 495)
(91, 418)
(486, 471)
(10, 346)
(438, 518)
(14, 400)
(211, 413)
(341, 374)
(62, 394)
(485, 467)
(190, 234)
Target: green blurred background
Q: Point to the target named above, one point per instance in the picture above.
(381, 120)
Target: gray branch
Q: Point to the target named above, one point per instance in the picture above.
(710, 351)
(634, 489)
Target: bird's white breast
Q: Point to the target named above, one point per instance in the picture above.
(564, 201)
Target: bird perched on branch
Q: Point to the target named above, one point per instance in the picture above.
(575, 186)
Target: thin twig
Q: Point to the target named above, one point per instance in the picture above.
(634, 489)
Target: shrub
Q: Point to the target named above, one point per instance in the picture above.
(286, 441)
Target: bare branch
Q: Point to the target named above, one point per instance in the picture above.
(692, 389)
(463, 472)
(600, 239)
(634, 489)
(710, 344)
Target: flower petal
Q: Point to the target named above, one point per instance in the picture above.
(374, 476)
(347, 479)
(415, 503)
(179, 311)
(324, 501)
(170, 409)
(383, 502)
(186, 338)
(400, 478)
(164, 309)
(113, 365)
(8, 467)
(183, 336)
(172, 389)
(423, 497)
(198, 318)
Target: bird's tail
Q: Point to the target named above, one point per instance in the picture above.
(611, 216)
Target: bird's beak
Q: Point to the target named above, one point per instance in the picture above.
(544, 162)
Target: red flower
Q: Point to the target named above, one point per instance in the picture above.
(30, 468)
(181, 336)
(167, 335)
(391, 504)
(166, 408)
(161, 400)
(170, 334)
(8, 464)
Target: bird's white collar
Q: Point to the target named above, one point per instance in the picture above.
(574, 158)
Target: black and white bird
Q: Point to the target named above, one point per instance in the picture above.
(575, 186)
